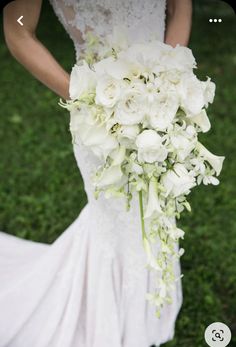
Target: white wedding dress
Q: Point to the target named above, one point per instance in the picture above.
(88, 288)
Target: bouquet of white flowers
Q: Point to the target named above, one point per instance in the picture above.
(139, 108)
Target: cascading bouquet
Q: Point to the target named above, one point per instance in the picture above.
(139, 108)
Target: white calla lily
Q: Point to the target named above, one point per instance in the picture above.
(214, 160)
(153, 205)
(202, 121)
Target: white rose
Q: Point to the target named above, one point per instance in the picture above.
(108, 91)
(191, 94)
(82, 80)
(131, 109)
(178, 181)
(215, 161)
(163, 111)
(150, 148)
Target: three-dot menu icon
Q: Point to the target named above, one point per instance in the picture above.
(215, 20)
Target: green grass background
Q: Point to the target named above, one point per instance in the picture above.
(41, 190)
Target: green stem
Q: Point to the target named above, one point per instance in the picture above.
(142, 214)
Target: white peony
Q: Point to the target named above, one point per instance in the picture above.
(144, 57)
(179, 58)
(178, 181)
(82, 80)
(108, 91)
(163, 111)
(150, 147)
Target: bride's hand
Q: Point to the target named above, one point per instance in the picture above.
(179, 21)
(28, 50)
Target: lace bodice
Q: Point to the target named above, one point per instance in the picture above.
(144, 19)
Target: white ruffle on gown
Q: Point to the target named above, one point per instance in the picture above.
(88, 288)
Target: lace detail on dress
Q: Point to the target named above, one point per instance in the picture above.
(143, 19)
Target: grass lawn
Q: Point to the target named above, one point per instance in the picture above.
(41, 190)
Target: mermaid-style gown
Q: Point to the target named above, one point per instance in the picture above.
(87, 289)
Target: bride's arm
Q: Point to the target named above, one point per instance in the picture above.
(28, 50)
(179, 21)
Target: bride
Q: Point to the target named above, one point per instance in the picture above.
(88, 288)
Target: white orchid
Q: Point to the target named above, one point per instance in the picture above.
(151, 260)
